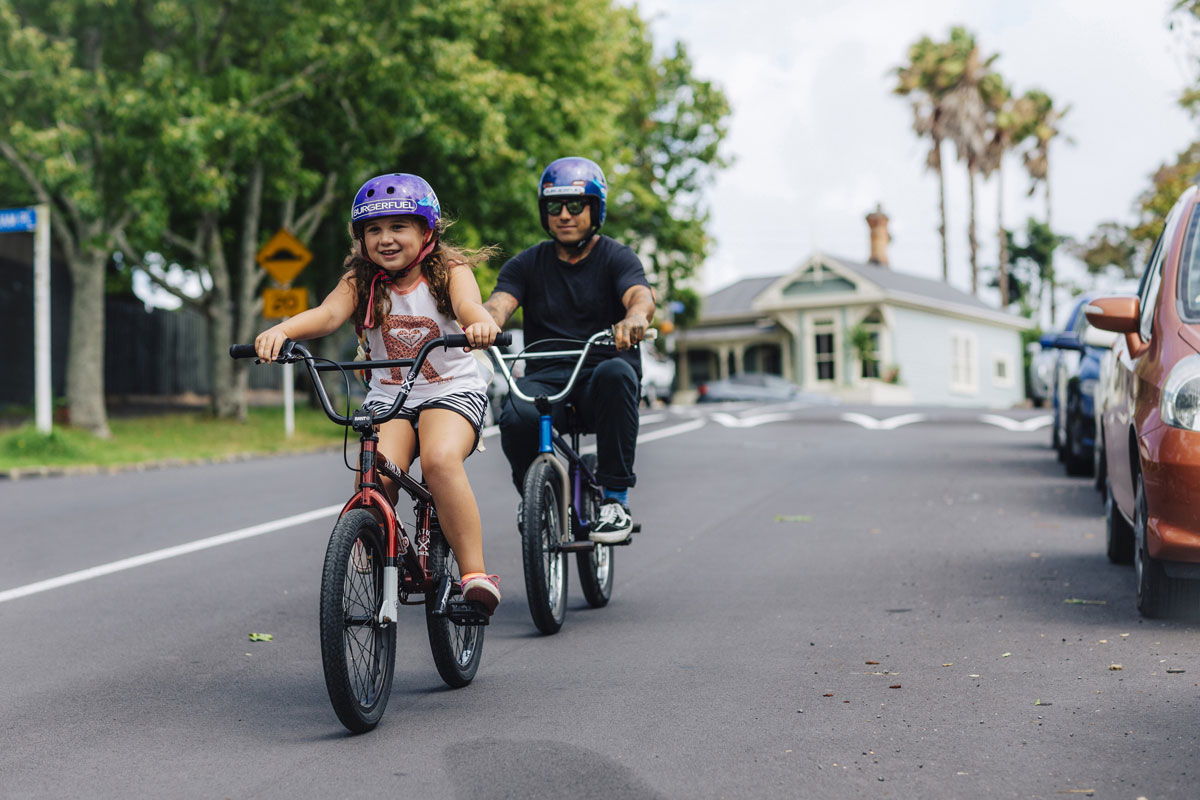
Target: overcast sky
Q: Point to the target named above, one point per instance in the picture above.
(818, 139)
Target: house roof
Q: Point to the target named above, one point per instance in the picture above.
(739, 299)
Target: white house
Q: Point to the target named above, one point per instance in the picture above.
(861, 332)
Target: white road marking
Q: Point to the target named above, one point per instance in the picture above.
(730, 421)
(890, 424)
(169, 552)
(1019, 426)
(248, 533)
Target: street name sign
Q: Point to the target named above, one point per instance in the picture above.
(283, 257)
(18, 220)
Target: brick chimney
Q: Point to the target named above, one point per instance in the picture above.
(880, 237)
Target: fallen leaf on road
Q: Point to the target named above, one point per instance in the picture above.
(951, 664)
(1006, 655)
(894, 686)
(1088, 792)
(1176, 671)
(1075, 601)
(872, 662)
(1040, 703)
(972, 676)
(1035, 555)
(261, 637)
(827, 694)
(793, 518)
(1115, 667)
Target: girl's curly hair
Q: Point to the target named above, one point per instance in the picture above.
(436, 267)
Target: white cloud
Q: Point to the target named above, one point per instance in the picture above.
(818, 139)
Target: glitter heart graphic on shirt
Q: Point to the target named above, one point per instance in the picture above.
(410, 336)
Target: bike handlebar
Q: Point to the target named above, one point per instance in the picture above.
(599, 339)
(295, 351)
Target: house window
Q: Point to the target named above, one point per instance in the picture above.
(1002, 371)
(964, 367)
(823, 350)
(869, 355)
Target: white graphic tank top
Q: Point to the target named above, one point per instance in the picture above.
(413, 320)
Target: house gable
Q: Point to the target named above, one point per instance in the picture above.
(817, 278)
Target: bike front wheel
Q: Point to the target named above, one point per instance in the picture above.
(545, 564)
(456, 648)
(596, 565)
(357, 650)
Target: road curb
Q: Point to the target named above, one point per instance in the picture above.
(26, 473)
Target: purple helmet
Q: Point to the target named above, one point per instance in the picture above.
(393, 194)
(571, 177)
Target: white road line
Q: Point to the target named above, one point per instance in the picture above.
(1020, 426)
(249, 533)
(169, 552)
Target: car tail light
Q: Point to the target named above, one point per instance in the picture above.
(703, 390)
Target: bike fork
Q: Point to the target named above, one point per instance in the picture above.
(390, 607)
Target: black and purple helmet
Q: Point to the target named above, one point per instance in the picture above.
(571, 177)
(393, 194)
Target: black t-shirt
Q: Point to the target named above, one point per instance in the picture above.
(572, 301)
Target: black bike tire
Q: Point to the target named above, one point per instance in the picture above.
(456, 649)
(595, 566)
(358, 713)
(547, 604)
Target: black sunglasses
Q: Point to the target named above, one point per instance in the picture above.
(574, 207)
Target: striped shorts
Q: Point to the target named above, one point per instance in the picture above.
(471, 405)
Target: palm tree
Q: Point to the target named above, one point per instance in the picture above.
(967, 117)
(1042, 129)
(923, 78)
(1009, 124)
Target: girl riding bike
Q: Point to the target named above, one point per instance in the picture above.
(403, 287)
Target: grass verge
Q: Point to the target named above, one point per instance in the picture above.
(182, 436)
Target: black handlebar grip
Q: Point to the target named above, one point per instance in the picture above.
(460, 340)
(242, 351)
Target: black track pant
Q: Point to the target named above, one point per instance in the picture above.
(607, 399)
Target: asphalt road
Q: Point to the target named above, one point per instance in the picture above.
(817, 608)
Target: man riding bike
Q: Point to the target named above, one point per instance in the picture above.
(574, 284)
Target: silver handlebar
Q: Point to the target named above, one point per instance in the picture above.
(600, 338)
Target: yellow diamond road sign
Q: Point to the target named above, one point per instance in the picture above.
(283, 257)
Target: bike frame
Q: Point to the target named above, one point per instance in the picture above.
(550, 440)
(401, 550)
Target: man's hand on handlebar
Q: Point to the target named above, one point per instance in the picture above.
(630, 331)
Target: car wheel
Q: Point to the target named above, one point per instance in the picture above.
(1077, 460)
(1153, 585)
(1117, 532)
(1055, 440)
(1099, 462)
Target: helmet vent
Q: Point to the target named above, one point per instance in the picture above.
(391, 190)
(370, 193)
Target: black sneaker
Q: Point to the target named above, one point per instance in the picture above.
(613, 524)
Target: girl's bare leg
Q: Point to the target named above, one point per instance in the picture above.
(397, 441)
(446, 441)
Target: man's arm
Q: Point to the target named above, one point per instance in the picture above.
(501, 306)
(639, 310)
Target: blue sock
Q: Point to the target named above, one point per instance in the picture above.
(618, 494)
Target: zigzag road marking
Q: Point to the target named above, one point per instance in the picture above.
(1017, 426)
(730, 421)
(890, 424)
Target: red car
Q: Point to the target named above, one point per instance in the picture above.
(1150, 425)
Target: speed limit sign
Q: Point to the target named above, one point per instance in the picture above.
(280, 303)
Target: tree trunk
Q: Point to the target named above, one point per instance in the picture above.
(218, 309)
(972, 240)
(246, 310)
(942, 208)
(85, 349)
(1050, 266)
(1003, 237)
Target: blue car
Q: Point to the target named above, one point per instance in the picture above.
(1080, 349)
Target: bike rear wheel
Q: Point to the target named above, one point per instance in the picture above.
(596, 565)
(456, 648)
(541, 533)
(358, 652)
